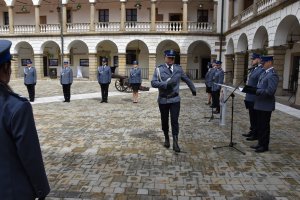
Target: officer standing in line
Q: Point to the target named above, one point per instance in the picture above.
(209, 80)
(167, 78)
(218, 77)
(66, 80)
(104, 79)
(22, 172)
(135, 80)
(30, 80)
(264, 103)
(253, 76)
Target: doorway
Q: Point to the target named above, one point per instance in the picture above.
(43, 19)
(175, 17)
(204, 69)
(294, 77)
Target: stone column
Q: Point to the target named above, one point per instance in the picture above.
(38, 64)
(229, 65)
(183, 62)
(92, 17)
(215, 15)
(230, 14)
(37, 18)
(152, 65)
(184, 14)
(153, 15)
(123, 15)
(122, 64)
(93, 64)
(15, 67)
(239, 65)
(240, 9)
(297, 102)
(11, 19)
(254, 7)
(64, 18)
(278, 64)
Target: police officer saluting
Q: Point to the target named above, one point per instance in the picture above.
(167, 78)
(218, 78)
(264, 103)
(66, 80)
(30, 80)
(104, 79)
(253, 76)
(22, 172)
(209, 80)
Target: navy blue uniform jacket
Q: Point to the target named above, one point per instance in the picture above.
(22, 173)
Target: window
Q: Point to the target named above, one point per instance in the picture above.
(5, 18)
(69, 16)
(130, 56)
(103, 15)
(202, 15)
(131, 15)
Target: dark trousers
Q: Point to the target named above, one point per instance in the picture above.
(104, 91)
(173, 109)
(263, 127)
(67, 91)
(31, 91)
(252, 117)
(216, 99)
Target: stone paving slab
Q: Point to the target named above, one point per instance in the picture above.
(114, 151)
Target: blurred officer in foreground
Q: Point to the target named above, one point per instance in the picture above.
(22, 173)
(264, 103)
(30, 80)
(253, 76)
(218, 78)
(167, 78)
(104, 79)
(66, 80)
(135, 80)
(209, 81)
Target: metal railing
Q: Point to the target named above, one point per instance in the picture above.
(145, 72)
(4, 29)
(50, 28)
(193, 74)
(78, 27)
(200, 27)
(137, 26)
(107, 26)
(168, 26)
(24, 28)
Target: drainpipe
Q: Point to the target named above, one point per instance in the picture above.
(61, 32)
(221, 34)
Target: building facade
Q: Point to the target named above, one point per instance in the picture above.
(121, 30)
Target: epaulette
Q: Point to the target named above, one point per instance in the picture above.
(159, 66)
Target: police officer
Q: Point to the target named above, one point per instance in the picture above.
(22, 172)
(104, 79)
(209, 80)
(167, 78)
(66, 80)
(218, 78)
(30, 80)
(135, 80)
(253, 76)
(264, 103)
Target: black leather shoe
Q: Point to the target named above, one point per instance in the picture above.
(261, 150)
(255, 146)
(175, 144)
(212, 106)
(216, 112)
(101, 101)
(207, 103)
(253, 138)
(247, 134)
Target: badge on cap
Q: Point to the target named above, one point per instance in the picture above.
(218, 62)
(266, 58)
(29, 62)
(255, 56)
(135, 62)
(66, 62)
(170, 53)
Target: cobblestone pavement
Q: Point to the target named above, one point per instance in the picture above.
(114, 151)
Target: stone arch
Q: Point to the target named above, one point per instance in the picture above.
(51, 56)
(138, 50)
(199, 54)
(230, 47)
(288, 25)
(165, 45)
(108, 49)
(242, 45)
(261, 38)
(24, 51)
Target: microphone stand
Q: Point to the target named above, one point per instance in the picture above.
(231, 143)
